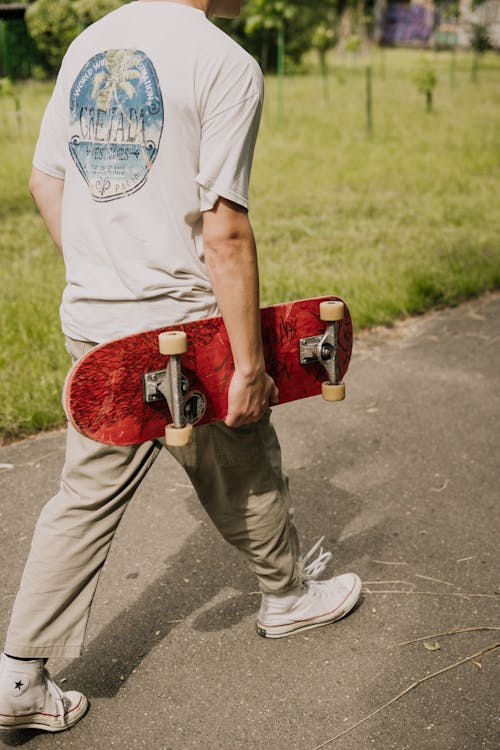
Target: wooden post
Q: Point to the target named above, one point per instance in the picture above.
(281, 70)
(369, 107)
(4, 45)
(453, 65)
(428, 98)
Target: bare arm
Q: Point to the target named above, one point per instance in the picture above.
(47, 193)
(231, 258)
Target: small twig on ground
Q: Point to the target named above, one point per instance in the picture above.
(35, 462)
(407, 690)
(385, 562)
(449, 632)
(436, 580)
(374, 583)
(440, 489)
(433, 593)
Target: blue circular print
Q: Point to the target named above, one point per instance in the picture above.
(116, 122)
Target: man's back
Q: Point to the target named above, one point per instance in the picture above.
(149, 107)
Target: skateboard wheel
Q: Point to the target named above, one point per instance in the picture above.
(177, 437)
(331, 392)
(331, 310)
(172, 342)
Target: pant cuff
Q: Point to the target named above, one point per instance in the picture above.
(41, 652)
(275, 588)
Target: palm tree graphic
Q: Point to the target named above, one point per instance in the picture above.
(120, 70)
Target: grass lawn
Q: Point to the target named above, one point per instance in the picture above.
(395, 223)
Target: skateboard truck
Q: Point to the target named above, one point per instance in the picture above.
(324, 349)
(173, 386)
(173, 344)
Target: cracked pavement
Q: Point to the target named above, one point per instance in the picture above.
(401, 478)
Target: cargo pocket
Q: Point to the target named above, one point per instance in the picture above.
(240, 446)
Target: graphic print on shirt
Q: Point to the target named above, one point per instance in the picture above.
(116, 121)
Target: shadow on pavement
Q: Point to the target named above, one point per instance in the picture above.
(110, 659)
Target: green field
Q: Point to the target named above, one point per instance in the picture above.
(395, 222)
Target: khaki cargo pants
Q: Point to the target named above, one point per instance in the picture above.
(238, 477)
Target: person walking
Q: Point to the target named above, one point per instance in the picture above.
(141, 174)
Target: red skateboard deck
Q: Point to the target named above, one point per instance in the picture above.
(105, 390)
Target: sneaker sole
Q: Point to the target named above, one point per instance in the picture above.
(42, 721)
(281, 631)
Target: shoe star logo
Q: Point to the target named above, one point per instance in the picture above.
(18, 685)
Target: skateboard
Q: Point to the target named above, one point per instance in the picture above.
(166, 381)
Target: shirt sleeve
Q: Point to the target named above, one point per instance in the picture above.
(51, 151)
(228, 138)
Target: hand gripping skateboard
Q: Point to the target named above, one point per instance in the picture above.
(167, 381)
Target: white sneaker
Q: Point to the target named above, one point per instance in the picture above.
(310, 605)
(29, 699)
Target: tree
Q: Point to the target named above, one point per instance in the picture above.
(257, 27)
(53, 24)
(480, 42)
(8, 90)
(272, 15)
(261, 28)
(90, 11)
(426, 80)
(324, 37)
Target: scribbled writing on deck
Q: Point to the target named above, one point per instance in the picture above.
(284, 333)
(280, 370)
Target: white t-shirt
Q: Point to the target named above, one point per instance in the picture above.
(154, 115)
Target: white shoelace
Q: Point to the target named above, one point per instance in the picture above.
(317, 566)
(58, 696)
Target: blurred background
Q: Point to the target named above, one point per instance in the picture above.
(376, 175)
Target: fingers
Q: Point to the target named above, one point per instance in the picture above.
(249, 406)
(238, 420)
(230, 421)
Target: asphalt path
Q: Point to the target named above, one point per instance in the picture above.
(402, 479)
